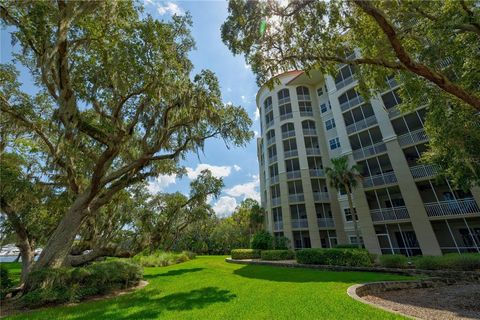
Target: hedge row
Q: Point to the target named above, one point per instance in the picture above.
(73, 284)
(336, 257)
(452, 261)
(245, 254)
(272, 255)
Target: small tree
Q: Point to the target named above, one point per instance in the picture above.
(262, 240)
(343, 177)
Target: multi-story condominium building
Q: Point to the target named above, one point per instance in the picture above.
(402, 207)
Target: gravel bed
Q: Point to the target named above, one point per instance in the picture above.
(447, 302)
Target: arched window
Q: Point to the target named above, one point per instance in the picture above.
(303, 94)
(308, 124)
(267, 104)
(288, 130)
(284, 105)
(304, 103)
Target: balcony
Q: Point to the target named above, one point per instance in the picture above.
(317, 173)
(379, 179)
(276, 201)
(288, 134)
(393, 112)
(297, 197)
(362, 124)
(286, 116)
(270, 141)
(423, 171)
(325, 223)
(392, 83)
(320, 196)
(303, 97)
(278, 226)
(269, 124)
(306, 113)
(313, 151)
(299, 223)
(268, 109)
(412, 137)
(283, 101)
(274, 179)
(294, 174)
(272, 159)
(309, 132)
(386, 214)
(452, 207)
(290, 153)
(372, 150)
(351, 103)
(345, 82)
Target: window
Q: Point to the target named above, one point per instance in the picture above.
(277, 214)
(353, 240)
(318, 185)
(348, 214)
(311, 142)
(334, 144)
(288, 128)
(272, 152)
(283, 96)
(320, 91)
(308, 125)
(324, 107)
(305, 107)
(323, 210)
(344, 76)
(330, 124)
(315, 163)
(285, 110)
(292, 165)
(350, 98)
(275, 191)
(298, 211)
(267, 104)
(273, 170)
(295, 187)
(289, 145)
(391, 99)
(269, 118)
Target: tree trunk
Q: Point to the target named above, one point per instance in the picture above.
(27, 253)
(354, 215)
(60, 243)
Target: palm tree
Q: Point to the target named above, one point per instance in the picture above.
(344, 177)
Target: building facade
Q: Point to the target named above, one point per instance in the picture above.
(401, 206)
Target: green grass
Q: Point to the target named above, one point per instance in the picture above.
(14, 271)
(210, 288)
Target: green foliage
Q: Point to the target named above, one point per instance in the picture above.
(162, 259)
(277, 255)
(281, 243)
(393, 261)
(245, 254)
(262, 240)
(452, 261)
(346, 246)
(5, 281)
(336, 257)
(73, 284)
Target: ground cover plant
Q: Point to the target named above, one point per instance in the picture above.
(209, 288)
(162, 258)
(335, 257)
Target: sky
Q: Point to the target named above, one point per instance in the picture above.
(237, 166)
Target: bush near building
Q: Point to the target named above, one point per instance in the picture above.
(262, 240)
(272, 255)
(245, 254)
(63, 285)
(393, 261)
(452, 261)
(336, 257)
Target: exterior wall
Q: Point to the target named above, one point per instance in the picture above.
(413, 221)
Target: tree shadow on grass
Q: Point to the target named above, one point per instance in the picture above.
(176, 272)
(284, 274)
(150, 307)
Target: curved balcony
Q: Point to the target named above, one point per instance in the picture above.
(452, 207)
(379, 179)
(362, 124)
(286, 116)
(317, 173)
(274, 179)
(290, 153)
(308, 113)
(276, 201)
(320, 196)
(270, 141)
(351, 103)
(288, 134)
(325, 223)
(269, 124)
(372, 150)
(313, 151)
(272, 159)
(294, 174)
(278, 226)
(299, 223)
(413, 137)
(386, 214)
(309, 132)
(298, 197)
(423, 171)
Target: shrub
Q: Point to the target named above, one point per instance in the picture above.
(277, 255)
(262, 240)
(245, 254)
(338, 257)
(74, 284)
(428, 263)
(162, 259)
(453, 261)
(347, 246)
(280, 243)
(394, 261)
(5, 281)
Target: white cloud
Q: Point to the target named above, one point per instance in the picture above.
(225, 206)
(246, 190)
(246, 66)
(217, 171)
(161, 182)
(236, 167)
(256, 115)
(170, 8)
(257, 135)
(243, 98)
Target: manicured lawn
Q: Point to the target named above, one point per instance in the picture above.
(210, 288)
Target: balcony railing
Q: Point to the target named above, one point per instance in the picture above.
(392, 83)
(268, 109)
(412, 137)
(274, 179)
(393, 112)
(369, 151)
(362, 124)
(385, 214)
(286, 116)
(423, 171)
(294, 174)
(291, 153)
(452, 207)
(299, 223)
(278, 225)
(288, 134)
(320, 196)
(351, 103)
(306, 113)
(325, 223)
(313, 151)
(270, 141)
(309, 132)
(379, 179)
(276, 201)
(303, 97)
(298, 197)
(345, 82)
(283, 101)
(317, 173)
(270, 124)
(272, 159)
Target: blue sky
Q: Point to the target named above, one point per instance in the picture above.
(237, 166)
